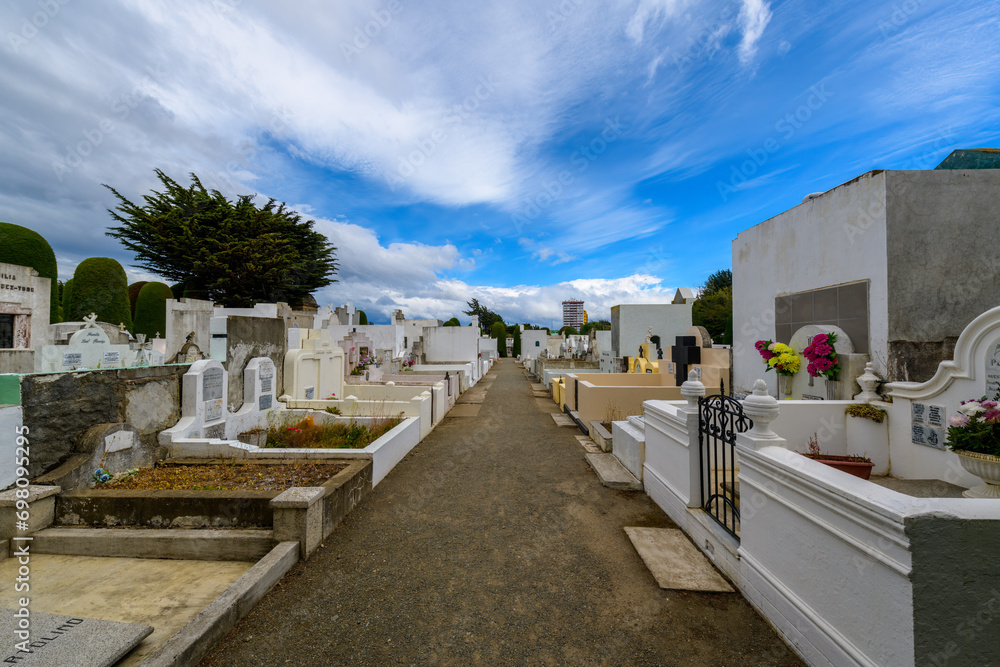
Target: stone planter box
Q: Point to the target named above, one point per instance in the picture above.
(205, 509)
(384, 453)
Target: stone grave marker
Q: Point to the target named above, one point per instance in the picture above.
(259, 393)
(852, 365)
(314, 373)
(993, 369)
(203, 405)
(68, 641)
(684, 353)
(88, 348)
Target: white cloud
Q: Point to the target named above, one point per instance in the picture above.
(754, 17)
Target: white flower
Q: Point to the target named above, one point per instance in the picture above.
(972, 408)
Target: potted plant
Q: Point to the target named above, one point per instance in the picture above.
(859, 466)
(823, 362)
(974, 434)
(782, 360)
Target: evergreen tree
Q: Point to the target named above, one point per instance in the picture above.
(231, 252)
(26, 247)
(517, 341)
(499, 332)
(151, 310)
(714, 306)
(100, 286)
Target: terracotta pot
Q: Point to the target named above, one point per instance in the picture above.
(862, 469)
(984, 466)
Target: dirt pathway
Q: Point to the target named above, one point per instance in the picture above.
(494, 543)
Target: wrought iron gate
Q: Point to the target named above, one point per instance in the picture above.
(720, 418)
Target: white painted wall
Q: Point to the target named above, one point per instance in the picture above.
(533, 343)
(185, 316)
(414, 329)
(811, 246)
(447, 344)
(667, 321)
(382, 336)
(269, 310)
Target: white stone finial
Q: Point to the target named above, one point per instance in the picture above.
(763, 409)
(121, 327)
(868, 382)
(91, 321)
(692, 390)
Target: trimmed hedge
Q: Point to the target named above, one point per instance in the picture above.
(151, 310)
(362, 318)
(67, 296)
(100, 286)
(25, 247)
(133, 294)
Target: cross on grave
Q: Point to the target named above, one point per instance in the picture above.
(684, 353)
(91, 321)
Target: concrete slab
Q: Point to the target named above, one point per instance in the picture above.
(538, 386)
(674, 562)
(563, 420)
(472, 396)
(465, 410)
(611, 472)
(542, 394)
(68, 641)
(920, 488)
(164, 594)
(182, 544)
(588, 444)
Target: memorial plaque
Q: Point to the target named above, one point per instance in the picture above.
(919, 436)
(68, 640)
(918, 410)
(213, 410)
(72, 358)
(807, 397)
(211, 384)
(310, 393)
(935, 437)
(95, 336)
(993, 369)
(935, 415)
(264, 402)
(111, 358)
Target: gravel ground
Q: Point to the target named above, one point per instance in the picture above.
(494, 543)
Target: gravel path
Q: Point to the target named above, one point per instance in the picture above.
(494, 543)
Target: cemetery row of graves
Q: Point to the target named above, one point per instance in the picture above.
(838, 462)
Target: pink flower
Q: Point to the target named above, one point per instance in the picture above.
(992, 416)
(820, 339)
(989, 404)
(958, 420)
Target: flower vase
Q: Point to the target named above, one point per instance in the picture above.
(984, 466)
(832, 389)
(784, 385)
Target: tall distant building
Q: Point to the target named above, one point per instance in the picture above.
(573, 313)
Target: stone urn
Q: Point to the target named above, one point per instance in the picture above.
(984, 466)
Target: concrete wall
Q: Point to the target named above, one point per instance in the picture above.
(382, 336)
(837, 238)
(849, 573)
(533, 343)
(17, 361)
(939, 277)
(27, 297)
(185, 316)
(59, 408)
(247, 338)
(10, 419)
(630, 324)
(444, 344)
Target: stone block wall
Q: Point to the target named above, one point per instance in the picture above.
(248, 338)
(60, 407)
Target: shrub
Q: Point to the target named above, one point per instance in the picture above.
(67, 296)
(100, 286)
(151, 310)
(25, 247)
(866, 411)
(133, 295)
(362, 318)
(453, 322)
(499, 331)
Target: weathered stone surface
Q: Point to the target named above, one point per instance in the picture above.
(248, 338)
(60, 408)
(675, 562)
(69, 641)
(612, 473)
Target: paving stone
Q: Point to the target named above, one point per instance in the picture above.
(69, 641)
(563, 420)
(611, 472)
(674, 562)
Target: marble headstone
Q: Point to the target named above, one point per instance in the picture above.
(68, 641)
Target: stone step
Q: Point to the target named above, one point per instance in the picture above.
(239, 544)
(612, 473)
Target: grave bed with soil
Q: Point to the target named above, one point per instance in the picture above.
(344, 483)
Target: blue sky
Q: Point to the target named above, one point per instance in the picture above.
(520, 152)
